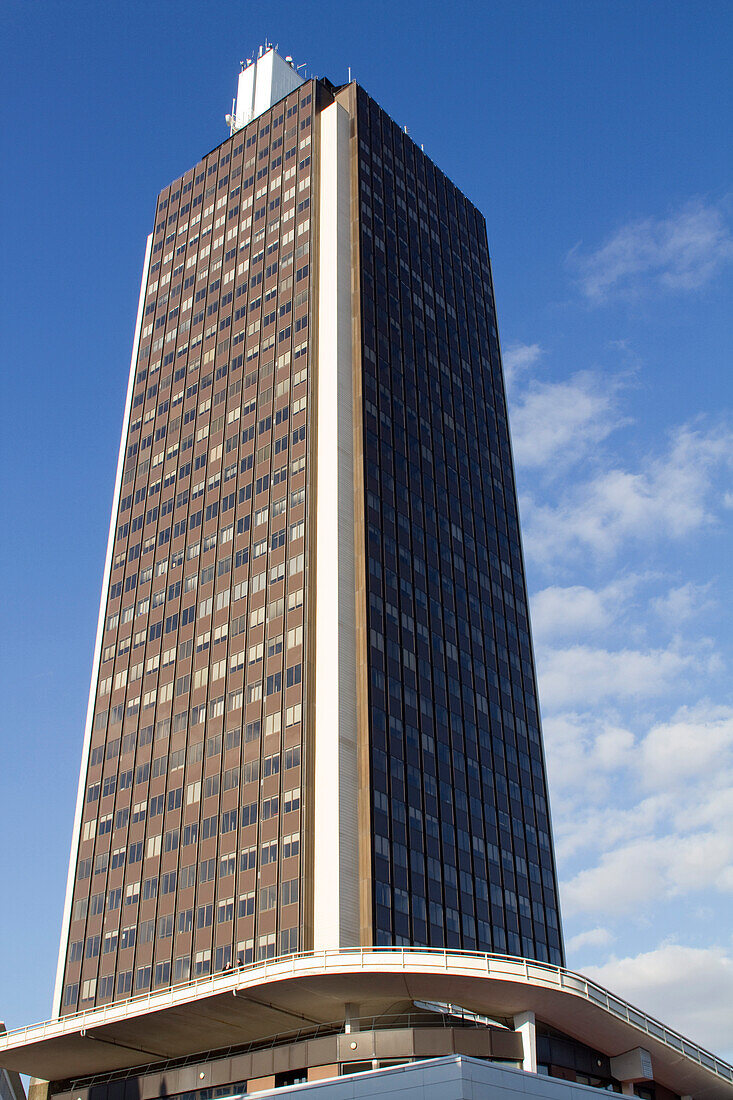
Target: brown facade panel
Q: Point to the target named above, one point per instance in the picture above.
(193, 778)
(320, 1055)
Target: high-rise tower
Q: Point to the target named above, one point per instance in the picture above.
(313, 718)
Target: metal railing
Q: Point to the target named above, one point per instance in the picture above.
(469, 963)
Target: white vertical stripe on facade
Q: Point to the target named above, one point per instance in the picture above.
(76, 835)
(336, 885)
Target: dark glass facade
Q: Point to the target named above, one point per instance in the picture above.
(462, 845)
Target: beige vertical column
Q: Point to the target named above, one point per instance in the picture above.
(336, 864)
(524, 1023)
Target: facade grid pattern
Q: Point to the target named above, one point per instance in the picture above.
(461, 832)
(189, 856)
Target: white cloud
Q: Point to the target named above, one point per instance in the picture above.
(688, 988)
(581, 747)
(670, 496)
(625, 878)
(621, 882)
(588, 759)
(593, 937)
(555, 423)
(585, 675)
(654, 814)
(681, 603)
(695, 744)
(569, 611)
(518, 358)
(681, 252)
(558, 611)
(584, 833)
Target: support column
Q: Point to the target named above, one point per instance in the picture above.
(524, 1023)
(351, 1018)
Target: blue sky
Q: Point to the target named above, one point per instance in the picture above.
(594, 138)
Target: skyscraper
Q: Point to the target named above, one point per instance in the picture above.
(312, 836)
(313, 716)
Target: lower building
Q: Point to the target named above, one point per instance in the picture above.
(438, 1023)
(11, 1086)
(456, 1077)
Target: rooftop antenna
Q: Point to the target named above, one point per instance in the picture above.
(349, 74)
(232, 118)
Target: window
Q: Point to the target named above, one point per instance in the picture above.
(292, 757)
(127, 937)
(271, 765)
(291, 845)
(290, 891)
(291, 800)
(202, 963)
(294, 675)
(106, 986)
(268, 853)
(124, 983)
(223, 957)
(146, 931)
(142, 977)
(270, 807)
(165, 926)
(181, 968)
(268, 898)
(227, 865)
(204, 916)
(225, 911)
(162, 973)
(118, 858)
